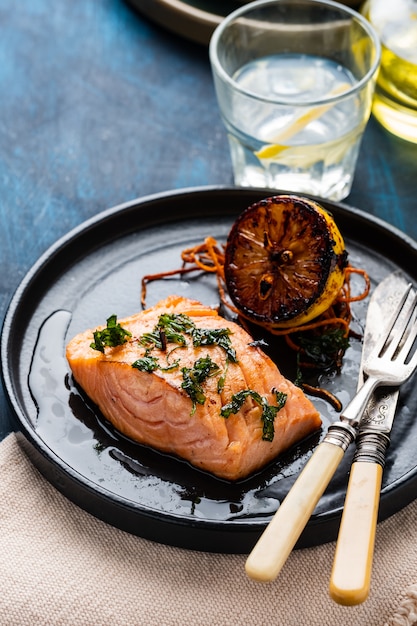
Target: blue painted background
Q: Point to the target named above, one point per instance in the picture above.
(99, 106)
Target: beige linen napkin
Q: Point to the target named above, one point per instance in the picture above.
(62, 567)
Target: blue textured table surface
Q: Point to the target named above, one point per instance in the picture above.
(99, 106)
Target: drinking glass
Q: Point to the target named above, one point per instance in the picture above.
(294, 81)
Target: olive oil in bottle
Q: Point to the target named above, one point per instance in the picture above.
(395, 100)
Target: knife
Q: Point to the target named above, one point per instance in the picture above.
(352, 567)
(280, 536)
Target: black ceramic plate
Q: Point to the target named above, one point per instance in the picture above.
(96, 271)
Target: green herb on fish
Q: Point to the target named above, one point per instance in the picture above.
(146, 364)
(194, 377)
(167, 330)
(218, 336)
(222, 379)
(268, 411)
(171, 328)
(111, 336)
(151, 363)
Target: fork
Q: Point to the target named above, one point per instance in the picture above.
(389, 364)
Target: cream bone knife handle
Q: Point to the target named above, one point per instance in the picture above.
(352, 566)
(283, 531)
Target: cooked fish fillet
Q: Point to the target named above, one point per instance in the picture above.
(155, 409)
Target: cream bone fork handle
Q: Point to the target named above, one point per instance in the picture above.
(351, 574)
(280, 536)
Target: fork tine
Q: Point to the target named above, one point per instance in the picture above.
(412, 364)
(405, 350)
(397, 326)
(411, 336)
(387, 368)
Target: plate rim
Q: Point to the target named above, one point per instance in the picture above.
(180, 18)
(184, 19)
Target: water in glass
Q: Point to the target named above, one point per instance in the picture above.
(310, 148)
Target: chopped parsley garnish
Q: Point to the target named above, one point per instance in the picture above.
(151, 363)
(146, 364)
(113, 335)
(171, 328)
(167, 330)
(178, 322)
(194, 376)
(268, 411)
(211, 337)
(222, 379)
(178, 328)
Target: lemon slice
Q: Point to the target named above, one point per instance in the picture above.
(277, 145)
(270, 151)
(285, 261)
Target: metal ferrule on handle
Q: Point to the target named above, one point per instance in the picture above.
(371, 447)
(340, 434)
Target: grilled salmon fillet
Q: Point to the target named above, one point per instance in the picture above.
(206, 394)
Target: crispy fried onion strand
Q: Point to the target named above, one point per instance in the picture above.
(209, 257)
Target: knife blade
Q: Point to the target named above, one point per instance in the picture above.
(350, 578)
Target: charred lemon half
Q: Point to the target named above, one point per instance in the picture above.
(285, 261)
